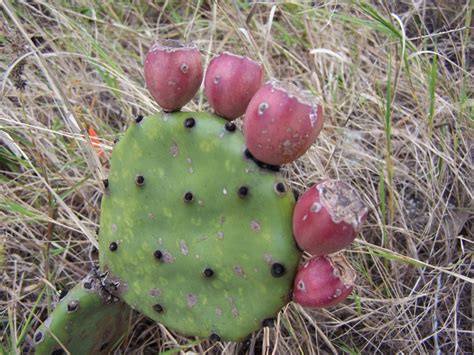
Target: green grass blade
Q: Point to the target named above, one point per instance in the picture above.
(432, 92)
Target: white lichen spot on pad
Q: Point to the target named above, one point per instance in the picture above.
(235, 312)
(167, 257)
(174, 150)
(268, 259)
(239, 272)
(155, 292)
(221, 220)
(255, 226)
(184, 247)
(192, 299)
(202, 238)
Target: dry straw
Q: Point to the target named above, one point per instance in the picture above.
(396, 85)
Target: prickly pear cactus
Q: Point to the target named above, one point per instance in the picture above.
(199, 236)
(88, 320)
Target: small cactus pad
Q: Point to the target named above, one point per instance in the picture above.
(198, 234)
(88, 320)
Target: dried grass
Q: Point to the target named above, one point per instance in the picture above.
(398, 128)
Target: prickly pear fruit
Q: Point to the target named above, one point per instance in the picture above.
(281, 123)
(323, 281)
(173, 73)
(327, 217)
(230, 83)
(200, 236)
(88, 320)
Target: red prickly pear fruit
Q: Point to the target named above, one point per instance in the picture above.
(230, 83)
(323, 281)
(327, 217)
(281, 123)
(173, 73)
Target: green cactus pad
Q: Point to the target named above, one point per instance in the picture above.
(88, 320)
(198, 234)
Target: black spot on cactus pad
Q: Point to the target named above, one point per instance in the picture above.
(280, 188)
(188, 197)
(214, 337)
(248, 154)
(237, 238)
(189, 122)
(269, 322)
(296, 195)
(243, 191)
(270, 167)
(62, 293)
(38, 336)
(113, 246)
(208, 272)
(278, 270)
(73, 306)
(58, 352)
(158, 308)
(139, 180)
(230, 126)
(261, 164)
(139, 118)
(158, 254)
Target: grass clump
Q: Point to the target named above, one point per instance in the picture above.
(396, 85)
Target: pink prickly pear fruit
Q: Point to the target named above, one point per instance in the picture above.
(327, 217)
(281, 123)
(173, 73)
(230, 83)
(323, 281)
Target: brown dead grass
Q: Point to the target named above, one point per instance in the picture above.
(411, 159)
